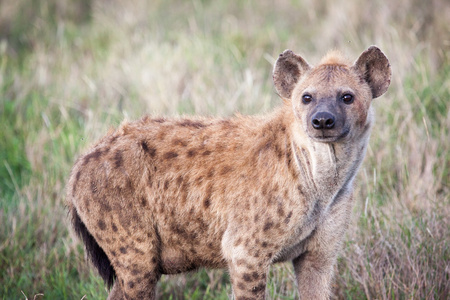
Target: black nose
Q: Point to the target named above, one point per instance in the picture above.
(323, 120)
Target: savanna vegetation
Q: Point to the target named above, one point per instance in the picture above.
(70, 70)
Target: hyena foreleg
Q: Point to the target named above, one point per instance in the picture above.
(314, 268)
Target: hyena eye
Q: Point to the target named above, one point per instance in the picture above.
(306, 98)
(347, 99)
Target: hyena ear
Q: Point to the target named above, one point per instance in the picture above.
(374, 67)
(288, 69)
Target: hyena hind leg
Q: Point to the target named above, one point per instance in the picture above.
(130, 285)
(116, 292)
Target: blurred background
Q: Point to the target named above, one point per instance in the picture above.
(70, 70)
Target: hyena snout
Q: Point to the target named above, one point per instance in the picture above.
(323, 120)
(327, 123)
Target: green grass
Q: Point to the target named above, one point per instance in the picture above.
(70, 70)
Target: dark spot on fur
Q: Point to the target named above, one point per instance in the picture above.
(149, 180)
(199, 180)
(144, 146)
(166, 185)
(138, 251)
(124, 221)
(129, 184)
(300, 190)
(256, 218)
(143, 202)
(279, 152)
(184, 191)
(152, 280)
(93, 187)
(207, 152)
(180, 231)
(86, 203)
(141, 295)
(227, 124)
(265, 189)
(123, 250)
(210, 173)
(113, 253)
(118, 159)
(237, 242)
(170, 155)
(93, 155)
(288, 218)
(280, 210)
(149, 150)
(131, 284)
(265, 147)
(226, 169)
(77, 177)
(190, 123)
(264, 244)
(159, 120)
(135, 272)
(268, 225)
(191, 211)
(101, 225)
(206, 202)
(259, 288)
(113, 139)
(255, 275)
(179, 142)
(241, 286)
(191, 153)
(247, 277)
(105, 206)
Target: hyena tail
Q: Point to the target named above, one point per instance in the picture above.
(94, 252)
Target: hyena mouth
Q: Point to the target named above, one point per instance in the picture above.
(325, 137)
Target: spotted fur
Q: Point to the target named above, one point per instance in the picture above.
(164, 196)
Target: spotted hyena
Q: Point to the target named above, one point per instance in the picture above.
(164, 196)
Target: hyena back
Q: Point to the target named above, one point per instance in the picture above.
(164, 196)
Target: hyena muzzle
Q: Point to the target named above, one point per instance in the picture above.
(164, 196)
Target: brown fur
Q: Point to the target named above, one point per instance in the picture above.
(164, 196)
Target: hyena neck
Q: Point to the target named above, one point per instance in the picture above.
(324, 169)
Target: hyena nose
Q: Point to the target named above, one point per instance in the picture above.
(323, 120)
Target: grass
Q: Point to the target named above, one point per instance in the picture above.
(70, 70)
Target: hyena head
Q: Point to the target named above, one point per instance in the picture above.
(331, 101)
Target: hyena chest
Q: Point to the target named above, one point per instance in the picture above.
(297, 242)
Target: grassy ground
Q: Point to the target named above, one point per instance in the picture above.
(69, 70)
